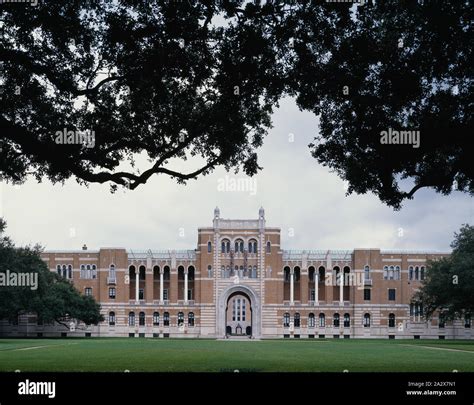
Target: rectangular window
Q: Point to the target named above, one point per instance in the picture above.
(165, 294)
(391, 294)
(141, 294)
(88, 291)
(312, 295)
(112, 293)
(367, 294)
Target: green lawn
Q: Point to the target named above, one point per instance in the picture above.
(137, 354)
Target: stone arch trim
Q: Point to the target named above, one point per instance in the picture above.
(254, 302)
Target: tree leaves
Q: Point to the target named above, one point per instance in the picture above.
(449, 283)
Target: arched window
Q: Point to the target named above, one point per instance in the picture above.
(131, 319)
(296, 275)
(322, 320)
(366, 320)
(252, 246)
(142, 273)
(297, 320)
(88, 271)
(385, 272)
(391, 320)
(225, 246)
(321, 274)
(412, 307)
(422, 272)
(390, 273)
(112, 274)
(94, 271)
(58, 268)
(209, 247)
(286, 320)
(180, 318)
(467, 321)
(347, 320)
(286, 274)
(367, 273)
(69, 271)
(111, 318)
(239, 246)
(336, 320)
(417, 275)
(141, 319)
(269, 247)
(156, 319)
(64, 271)
(397, 272)
(191, 319)
(311, 320)
(166, 319)
(209, 271)
(410, 273)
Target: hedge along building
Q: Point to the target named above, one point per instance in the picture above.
(240, 282)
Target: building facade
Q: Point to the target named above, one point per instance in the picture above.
(239, 282)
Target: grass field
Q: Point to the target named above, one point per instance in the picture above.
(214, 356)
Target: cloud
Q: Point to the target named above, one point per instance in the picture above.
(297, 193)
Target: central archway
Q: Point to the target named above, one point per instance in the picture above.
(222, 309)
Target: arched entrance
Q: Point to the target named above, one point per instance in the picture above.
(225, 307)
(238, 316)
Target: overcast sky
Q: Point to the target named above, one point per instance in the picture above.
(299, 195)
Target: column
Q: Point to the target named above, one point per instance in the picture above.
(185, 286)
(292, 286)
(316, 287)
(161, 285)
(137, 283)
(341, 287)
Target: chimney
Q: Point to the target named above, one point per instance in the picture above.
(84, 247)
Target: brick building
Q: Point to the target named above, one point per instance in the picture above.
(239, 281)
